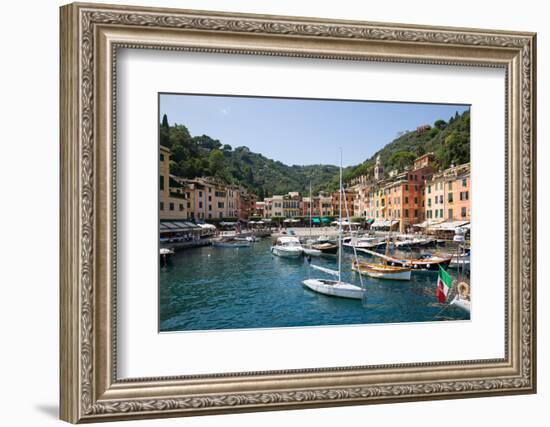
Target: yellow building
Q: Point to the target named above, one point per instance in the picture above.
(173, 197)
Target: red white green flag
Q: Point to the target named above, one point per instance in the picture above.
(444, 282)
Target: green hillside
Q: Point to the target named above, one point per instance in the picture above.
(204, 156)
(194, 156)
(448, 140)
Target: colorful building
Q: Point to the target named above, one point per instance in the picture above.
(448, 194)
(173, 197)
(348, 202)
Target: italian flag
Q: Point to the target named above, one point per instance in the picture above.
(443, 285)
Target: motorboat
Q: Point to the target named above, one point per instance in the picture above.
(382, 271)
(288, 247)
(230, 243)
(363, 242)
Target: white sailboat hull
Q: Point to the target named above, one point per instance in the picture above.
(334, 288)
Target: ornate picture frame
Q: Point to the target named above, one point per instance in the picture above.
(90, 37)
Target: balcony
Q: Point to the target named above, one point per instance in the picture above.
(177, 195)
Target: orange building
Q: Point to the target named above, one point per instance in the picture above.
(348, 202)
(405, 197)
(447, 195)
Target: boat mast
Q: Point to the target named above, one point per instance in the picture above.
(340, 226)
(310, 202)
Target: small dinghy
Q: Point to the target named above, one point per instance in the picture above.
(334, 288)
(382, 271)
(462, 298)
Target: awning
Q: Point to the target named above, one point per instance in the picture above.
(228, 224)
(209, 226)
(177, 226)
(384, 223)
(449, 225)
(325, 220)
(370, 221)
(428, 223)
(316, 220)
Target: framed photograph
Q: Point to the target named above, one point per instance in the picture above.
(266, 212)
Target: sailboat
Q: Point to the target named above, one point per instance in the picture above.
(336, 288)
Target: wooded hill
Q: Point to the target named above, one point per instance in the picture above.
(194, 156)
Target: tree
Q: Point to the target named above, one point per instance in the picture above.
(401, 159)
(165, 124)
(227, 147)
(205, 141)
(179, 134)
(216, 162)
(440, 124)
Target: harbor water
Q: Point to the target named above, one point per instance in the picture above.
(213, 288)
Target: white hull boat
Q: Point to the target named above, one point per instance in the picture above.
(287, 247)
(231, 244)
(334, 288)
(308, 250)
(462, 303)
(460, 261)
(362, 242)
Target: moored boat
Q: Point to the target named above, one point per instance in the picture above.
(310, 250)
(363, 242)
(288, 247)
(231, 244)
(336, 288)
(382, 271)
(425, 262)
(462, 298)
(325, 248)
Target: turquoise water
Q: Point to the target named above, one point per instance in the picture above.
(228, 288)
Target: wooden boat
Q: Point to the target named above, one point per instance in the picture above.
(427, 262)
(325, 248)
(382, 271)
(334, 288)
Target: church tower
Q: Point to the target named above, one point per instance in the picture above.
(378, 169)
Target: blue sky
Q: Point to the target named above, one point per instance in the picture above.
(301, 132)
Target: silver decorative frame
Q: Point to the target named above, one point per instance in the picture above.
(90, 36)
